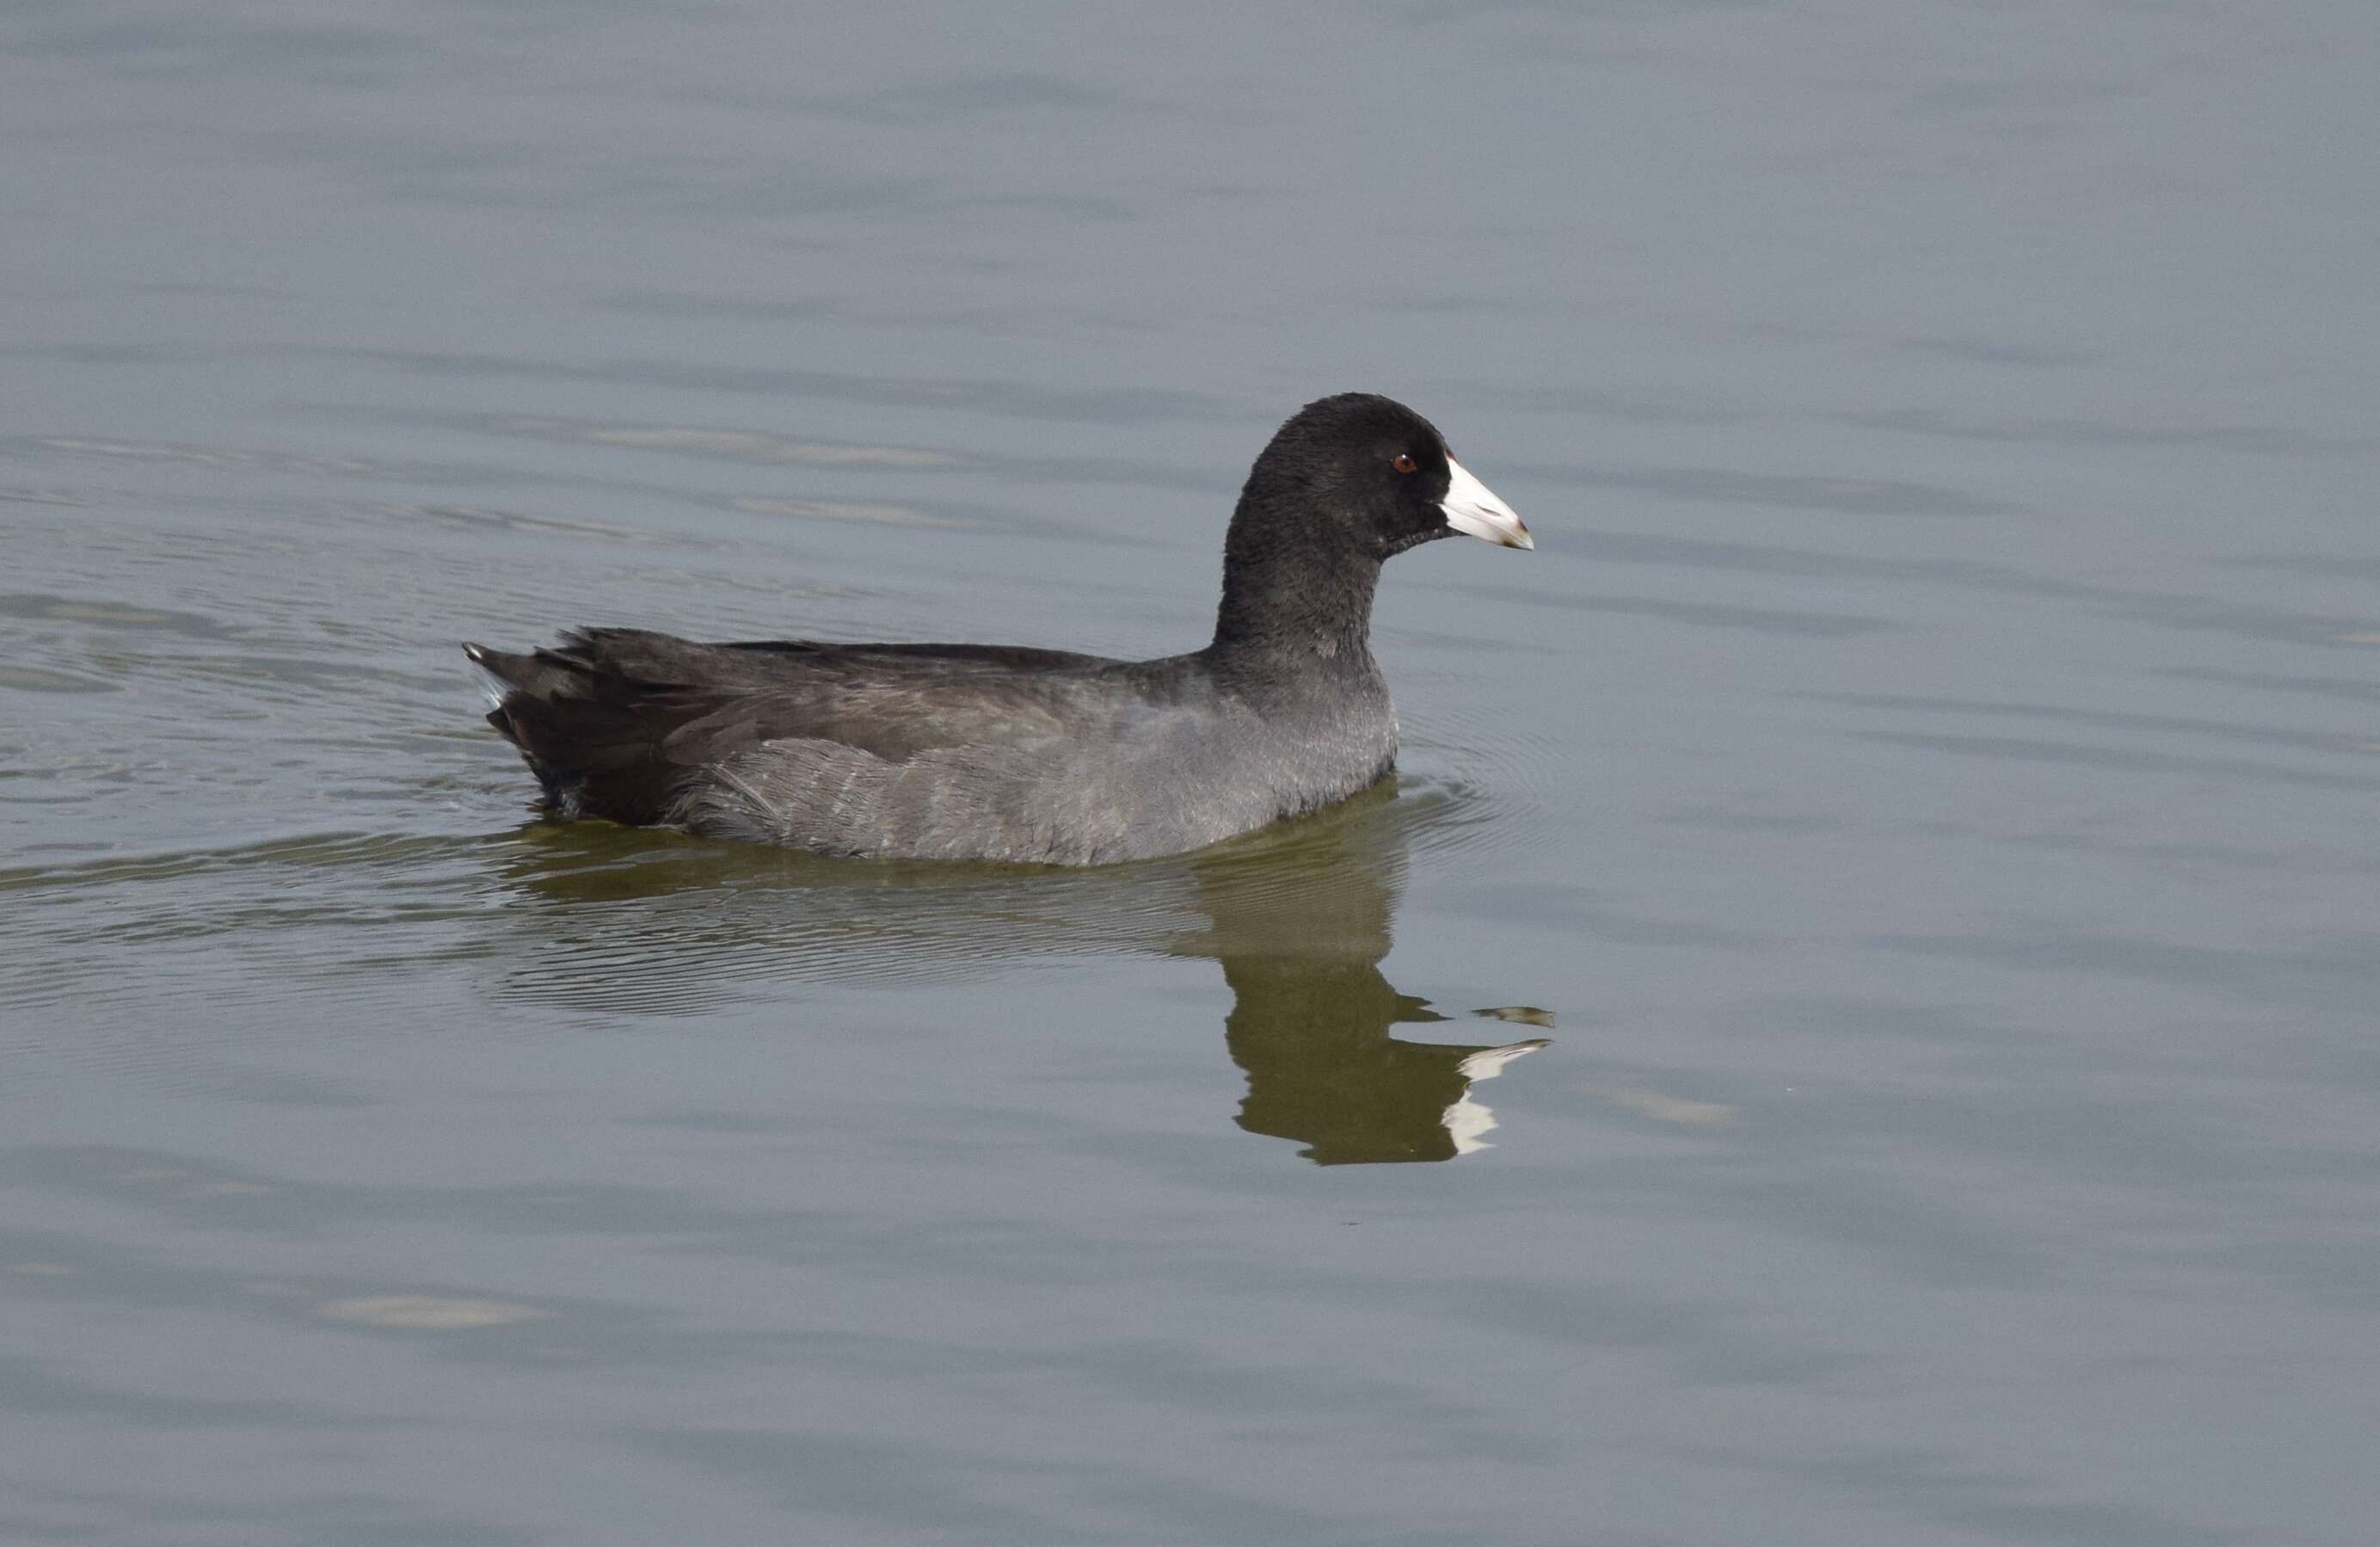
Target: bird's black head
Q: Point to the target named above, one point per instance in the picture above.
(1369, 473)
(1348, 483)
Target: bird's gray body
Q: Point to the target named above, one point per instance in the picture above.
(1115, 760)
(939, 751)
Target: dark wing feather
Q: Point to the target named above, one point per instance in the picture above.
(616, 723)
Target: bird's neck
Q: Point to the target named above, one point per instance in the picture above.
(1291, 605)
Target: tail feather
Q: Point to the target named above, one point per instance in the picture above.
(593, 737)
(543, 672)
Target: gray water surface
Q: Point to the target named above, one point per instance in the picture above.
(1856, 1023)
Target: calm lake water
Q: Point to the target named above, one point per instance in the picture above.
(1903, 847)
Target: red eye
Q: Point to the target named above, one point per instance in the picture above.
(1401, 462)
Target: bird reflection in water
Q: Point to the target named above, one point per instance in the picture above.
(1299, 918)
(1299, 937)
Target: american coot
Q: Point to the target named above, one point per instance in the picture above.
(938, 751)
